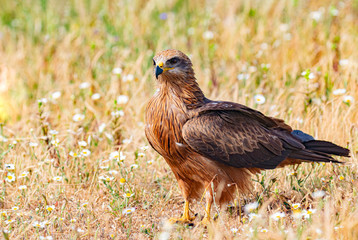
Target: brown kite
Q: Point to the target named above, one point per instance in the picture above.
(213, 147)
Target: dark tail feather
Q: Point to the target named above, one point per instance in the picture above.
(319, 151)
(313, 156)
(326, 147)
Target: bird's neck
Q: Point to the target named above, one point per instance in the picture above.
(187, 90)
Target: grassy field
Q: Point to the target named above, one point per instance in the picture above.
(75, 77)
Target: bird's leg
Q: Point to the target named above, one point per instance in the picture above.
(186, 215)
(209, 200)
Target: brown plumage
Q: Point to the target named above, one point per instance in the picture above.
(213, 147)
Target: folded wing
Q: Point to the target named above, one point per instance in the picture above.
(242, 137)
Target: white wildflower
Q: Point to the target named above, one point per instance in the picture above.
(316, 15)
(106, 178)
(101, 127)
(134, 166)
(122, 99)
(296, 205)
(24, 174)
(82, 143)
(57, 178)
(311, 76)
(114, 155)
(38, 224)
(85, 152)
(128, 195)
(253, 216)
(339, 91)
(55, 142)
(73, 154)
(113, 172)
(9, 221)
(248, 208)
(348, 99)
(53, 132)
(78, 117)
(117, 71)
(42, 100)
(343, 62)
(56, 95)
(33, 144)
(50, 208)
(319, 231)
(277, 216)
(22, 187)
(208, 35)
(144, 148)
(85, 85)
(96, 96)
(118, 113)
(10, 177)
(318, 194)
(85, 204)
(128, 78)
(127, 141)
(128, 210)
(243, 76)
(259, 99)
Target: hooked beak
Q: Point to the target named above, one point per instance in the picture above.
(158, 71)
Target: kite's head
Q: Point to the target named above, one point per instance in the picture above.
(172, 64)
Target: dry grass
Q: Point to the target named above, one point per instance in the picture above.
(50, 46)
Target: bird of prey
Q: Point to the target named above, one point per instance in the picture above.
(213, 147)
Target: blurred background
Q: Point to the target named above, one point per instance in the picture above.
(241, 47)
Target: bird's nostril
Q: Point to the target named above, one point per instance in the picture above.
(160, 64)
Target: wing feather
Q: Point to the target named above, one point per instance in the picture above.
(238, 138)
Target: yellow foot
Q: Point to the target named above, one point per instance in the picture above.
(206, 221)
(181, 220)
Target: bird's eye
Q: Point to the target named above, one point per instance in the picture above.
(173, 60)
(154, 63)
